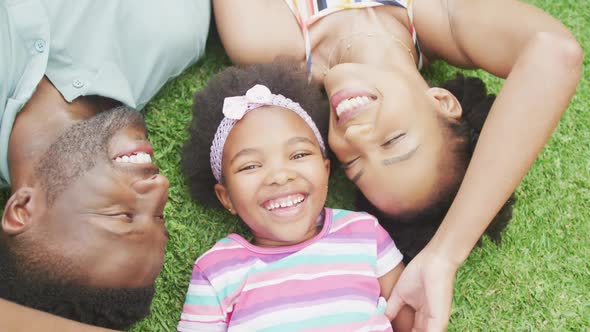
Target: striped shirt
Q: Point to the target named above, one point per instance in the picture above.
(328, 283)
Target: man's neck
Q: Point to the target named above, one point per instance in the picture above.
(41, 121)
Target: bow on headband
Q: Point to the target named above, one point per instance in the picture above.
(234, 109)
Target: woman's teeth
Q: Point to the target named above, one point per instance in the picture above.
(136, 158)
(349, 104)
(284, 202)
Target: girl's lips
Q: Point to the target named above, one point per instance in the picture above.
(287, 213)
(285, 205)
(345, 94)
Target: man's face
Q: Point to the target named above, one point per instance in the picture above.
(90, 235)
(103, 213)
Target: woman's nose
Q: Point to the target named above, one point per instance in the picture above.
(359, 135)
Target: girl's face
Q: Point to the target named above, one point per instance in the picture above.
(274, 176)
(385, 129)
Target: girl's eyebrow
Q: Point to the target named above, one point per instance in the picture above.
(290, 141)
(299, 139)
(243, 152)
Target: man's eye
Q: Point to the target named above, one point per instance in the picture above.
(122, 215)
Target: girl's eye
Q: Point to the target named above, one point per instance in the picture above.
(300, 155)
(393, 140)
(247, 168)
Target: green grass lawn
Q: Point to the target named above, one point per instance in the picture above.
(538, 279)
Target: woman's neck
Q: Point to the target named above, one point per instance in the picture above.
(377, 36)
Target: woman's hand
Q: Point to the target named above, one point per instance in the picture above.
(427, 286)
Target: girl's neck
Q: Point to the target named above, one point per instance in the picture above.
(271, 243)
(317, 227)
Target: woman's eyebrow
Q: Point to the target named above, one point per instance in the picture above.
(386, 162)
(358, 175)
(396, 159)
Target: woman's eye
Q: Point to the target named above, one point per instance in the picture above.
(393, 140)
(348, 164)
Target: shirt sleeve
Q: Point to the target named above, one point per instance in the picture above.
(202, 310)
(388, 256)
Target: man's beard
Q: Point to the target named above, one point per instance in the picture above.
(40, 288)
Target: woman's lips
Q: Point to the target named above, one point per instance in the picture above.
(347, 103)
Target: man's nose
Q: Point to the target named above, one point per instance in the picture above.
(152, 195)
(359, 135)
(157, 183)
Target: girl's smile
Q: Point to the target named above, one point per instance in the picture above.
(275, 176)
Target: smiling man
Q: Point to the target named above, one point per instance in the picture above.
(86, 240)
(82, 235)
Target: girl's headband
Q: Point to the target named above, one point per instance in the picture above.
(234, 108)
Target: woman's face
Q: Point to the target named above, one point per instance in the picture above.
(386, 130)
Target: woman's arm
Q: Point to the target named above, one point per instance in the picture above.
(404, 319)
(17, 318)
(250, 35)
(541, 61)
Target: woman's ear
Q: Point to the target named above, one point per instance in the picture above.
(18, 212)
(445, 103)
(223, 197)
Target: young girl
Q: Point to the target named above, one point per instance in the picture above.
(308, 267)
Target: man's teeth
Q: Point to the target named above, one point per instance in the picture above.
(137, 158)
(284, 202)
(349, 104)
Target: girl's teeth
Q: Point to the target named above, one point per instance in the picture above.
(285, 202)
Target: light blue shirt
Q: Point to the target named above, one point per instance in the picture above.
(122, 49)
